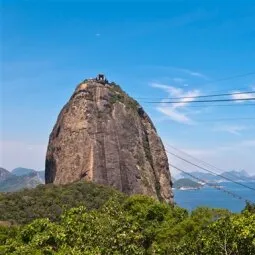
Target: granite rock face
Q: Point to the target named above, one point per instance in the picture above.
(104, 136)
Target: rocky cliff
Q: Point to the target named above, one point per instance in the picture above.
(103, 135)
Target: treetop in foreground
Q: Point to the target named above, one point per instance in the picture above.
(134, 225)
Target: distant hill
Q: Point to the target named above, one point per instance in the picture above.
(232, 175)
(186, 183)
(4, 174)
(203, 176)
(20, 178)
(20, 171)
(41, 175)
(237, 175)
(15, 183)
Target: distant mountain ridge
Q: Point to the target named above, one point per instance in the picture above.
(20, 171)
(20, 178)
(240, 176)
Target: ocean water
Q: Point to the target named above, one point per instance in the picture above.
(211, 197)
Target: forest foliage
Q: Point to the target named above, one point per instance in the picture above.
(133, 225)
(49, 201)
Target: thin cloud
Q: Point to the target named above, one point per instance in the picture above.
(171, 69)
(232, 129)
(174, 115)
(174, 110)
(192, 73)
(166, 88)
(241, 96)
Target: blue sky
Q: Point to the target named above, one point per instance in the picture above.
(153, 49)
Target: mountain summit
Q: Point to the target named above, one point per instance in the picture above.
(104, 136)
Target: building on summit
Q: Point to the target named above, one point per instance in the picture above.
(101, 78)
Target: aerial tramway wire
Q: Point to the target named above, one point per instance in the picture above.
(209, 171)
(202, 101)
(213, 95)
(223, 119)
(209, 184)
(225, 79)
(215, 105)
(212, 185)
(197, 159)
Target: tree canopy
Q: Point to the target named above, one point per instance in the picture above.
(133, 225)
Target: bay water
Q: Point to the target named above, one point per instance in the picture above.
(211, 197)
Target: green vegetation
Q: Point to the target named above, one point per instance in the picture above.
(130, 225)
(186, 183)
(118, 95)
(49, 201)
(250, 207)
